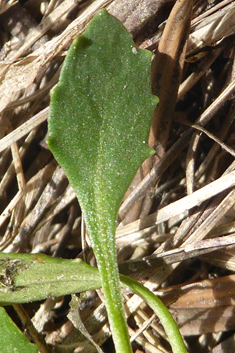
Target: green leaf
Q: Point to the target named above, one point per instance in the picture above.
(99, 123)
(30, 277)
(100, 115)
(12, 340)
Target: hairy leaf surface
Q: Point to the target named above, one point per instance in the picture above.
(100, 115)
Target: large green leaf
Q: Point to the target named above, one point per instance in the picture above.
(12, 340)
(99, 123)
(100, 116)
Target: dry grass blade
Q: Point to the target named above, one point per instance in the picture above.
(212, 29)
(182, 205)
(24, 129)
(184, 241)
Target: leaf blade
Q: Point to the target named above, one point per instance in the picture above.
(115, 111)
(30, 277)
(11, 338)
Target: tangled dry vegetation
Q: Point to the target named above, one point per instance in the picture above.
(176, 224)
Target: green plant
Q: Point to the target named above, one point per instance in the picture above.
(98, 131)
(31, 277)
(99, 122)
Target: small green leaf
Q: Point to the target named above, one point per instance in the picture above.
(30, 277)
(99, 122)
(12, 340)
